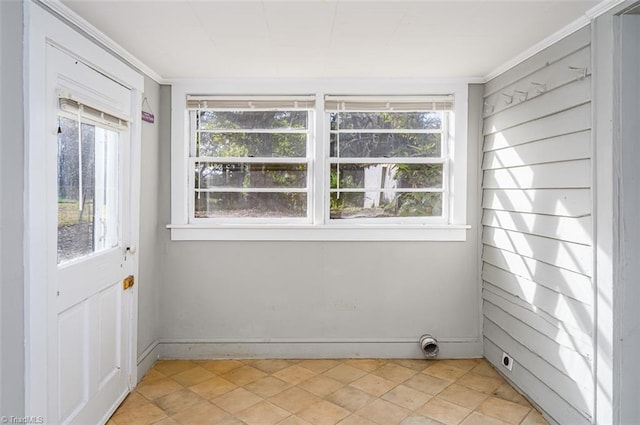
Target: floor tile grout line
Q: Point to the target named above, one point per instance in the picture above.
(173, 373)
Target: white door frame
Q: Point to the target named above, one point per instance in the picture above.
(42, 28)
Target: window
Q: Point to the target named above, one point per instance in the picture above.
(318, 167)
(389, 158)
(88, 165)
(249, 159)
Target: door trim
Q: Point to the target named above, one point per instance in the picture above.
(42, 28)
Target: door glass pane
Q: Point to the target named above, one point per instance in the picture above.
(87, 189)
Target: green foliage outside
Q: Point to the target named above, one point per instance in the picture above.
(273, 137)
(275, 140)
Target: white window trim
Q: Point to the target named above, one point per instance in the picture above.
(181, 229)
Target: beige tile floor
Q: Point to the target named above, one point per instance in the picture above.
(319, 392)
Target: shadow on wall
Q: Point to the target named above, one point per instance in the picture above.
(538, 266)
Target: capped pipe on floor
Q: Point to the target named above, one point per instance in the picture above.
(429, 346)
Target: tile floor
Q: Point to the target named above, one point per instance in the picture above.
(319, 392)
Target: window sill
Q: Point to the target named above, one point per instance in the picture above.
(195, 232)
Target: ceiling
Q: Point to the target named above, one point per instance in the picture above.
(327, 38)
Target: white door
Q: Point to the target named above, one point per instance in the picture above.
(88, 208)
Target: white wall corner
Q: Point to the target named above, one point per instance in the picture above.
(147, 359)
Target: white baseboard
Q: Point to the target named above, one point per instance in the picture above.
(147, 358)
(312, 349)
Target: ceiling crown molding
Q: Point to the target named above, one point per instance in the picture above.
(57, 8)
(599, 9)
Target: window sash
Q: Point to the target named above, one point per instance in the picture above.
(236, 103)
(358, 105)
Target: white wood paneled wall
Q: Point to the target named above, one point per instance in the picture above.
(537, 228)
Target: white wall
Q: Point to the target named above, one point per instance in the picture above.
(537, 235)
(629, 204)
(149, 274)
(11, 211)
(320, 299)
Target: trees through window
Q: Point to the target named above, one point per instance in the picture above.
(254, 159)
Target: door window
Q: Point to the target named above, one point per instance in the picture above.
(88, 209)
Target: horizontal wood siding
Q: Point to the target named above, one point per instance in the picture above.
(537, 228)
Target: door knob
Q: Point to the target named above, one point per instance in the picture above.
(131, 249)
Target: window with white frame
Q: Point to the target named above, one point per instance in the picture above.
(249, 158)
(388, 158)
(319, 167)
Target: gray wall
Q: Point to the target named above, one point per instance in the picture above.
(11, 211)
(228, 298)
(537, 234)
(149, 274)
(629, 204)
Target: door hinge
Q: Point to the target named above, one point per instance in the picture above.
(127, 282)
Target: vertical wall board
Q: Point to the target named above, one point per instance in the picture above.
(12, 354)
(537, 227)
(150, 232)
(630, 226)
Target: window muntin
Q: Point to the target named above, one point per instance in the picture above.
(249, 160)
(388, 160)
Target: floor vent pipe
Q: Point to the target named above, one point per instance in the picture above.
(429, 346)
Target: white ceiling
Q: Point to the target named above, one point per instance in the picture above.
(327, 38)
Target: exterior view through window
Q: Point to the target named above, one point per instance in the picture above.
(87, 187)
(250, 159)
(386, 160)
(388, 157)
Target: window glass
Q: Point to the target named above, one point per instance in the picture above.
(250, 204)
(386, 164)
(250, 164)
(87, 189)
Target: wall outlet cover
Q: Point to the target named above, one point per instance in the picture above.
(507, 361)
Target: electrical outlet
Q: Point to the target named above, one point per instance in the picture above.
(507, 361)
